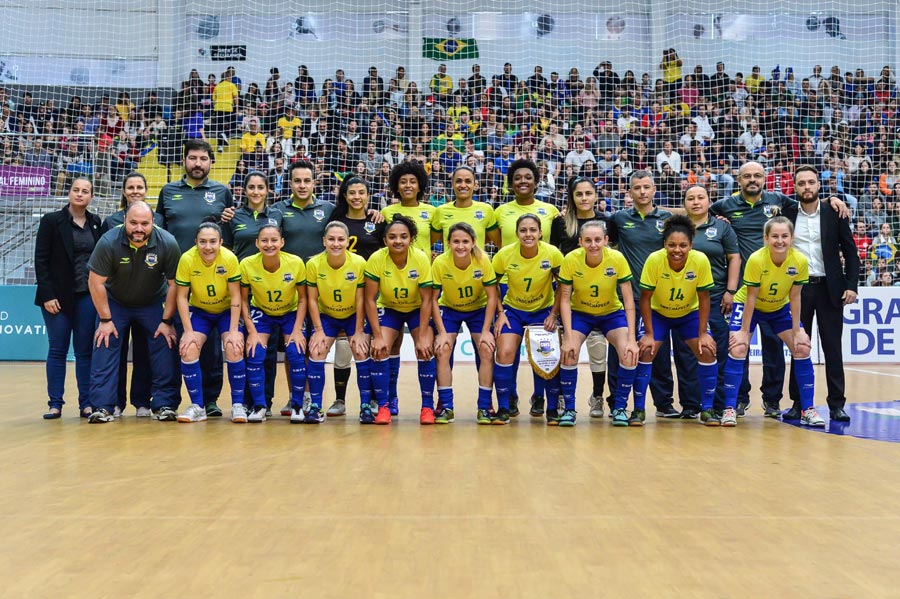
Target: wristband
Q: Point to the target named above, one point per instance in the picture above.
(105, 320)
(731, 291)
(169, 321)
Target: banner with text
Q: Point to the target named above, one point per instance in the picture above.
(24, 181)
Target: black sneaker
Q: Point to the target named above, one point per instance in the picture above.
(792, 414)
(689, 414)
(667, 412)
(513, 406)
(742, 408)
(552, 417)
(772, 410)
(100, 416)
(501, 417)
(537, 406)
(213, 410)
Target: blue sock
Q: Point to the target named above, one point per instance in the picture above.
(364, 380)
(237, 378)
(484, 398)
(734, 372)
(806, 381)
(641, 382)
(554, 390)
(540, 385)
(193, 380)
(427, 373)
(568, 378)
(297, 363)
(315, 376)
(394, 362)
(445, 396)
(707, 374)
(381, 377)
(256, 377)
(624, 383)
(503, 376)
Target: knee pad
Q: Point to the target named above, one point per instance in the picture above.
(342, 353)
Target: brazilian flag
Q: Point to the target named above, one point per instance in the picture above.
(437, 48)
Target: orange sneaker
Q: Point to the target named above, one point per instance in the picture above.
(426, 416)
(383, 416)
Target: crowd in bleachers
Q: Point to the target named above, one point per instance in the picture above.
(687, 126)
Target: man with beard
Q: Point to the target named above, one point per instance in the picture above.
(183, 205)
(827, 242)
(132, 283)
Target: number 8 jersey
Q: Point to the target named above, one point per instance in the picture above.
(399, 287)
(208, 282)
(594, 290)
(275, 293)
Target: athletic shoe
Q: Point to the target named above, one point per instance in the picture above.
(619, 417)
(729, 417)
(426, 416)
(502, 417)
(383, 416)
(338, 408)
(268, 412)
(314, 415)
(224, 139)
(514, 406)
(100, 416)
(483, 417)
(567, 418)
(298, 416)
(637, 418)
(668, 412)
(365, 414)
(689, 414)
(213, 410)
(193, 413)
(238, 413)
(394, 406)
(771, 410)
(537, 406)
(596, 402)
(287, 409)
(811, 417)
(709, 418)
(307, 401)
(144, 412)
(444, 416)
(257, 415)
(742, 408)
(117, 412)
(166, 414)
(552, 417)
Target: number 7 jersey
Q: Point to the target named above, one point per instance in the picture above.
(275, 293)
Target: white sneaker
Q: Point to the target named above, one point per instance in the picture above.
(144, 413)
(729, 417)
(238, 413)
(338, 408)
(286, 410)
(307, 401)
(810, 417)
(597, 404)
(257, 415)
(193, 413)
(297, 416)
(117, 412)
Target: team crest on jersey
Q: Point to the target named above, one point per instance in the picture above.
(479, 215)
(610, 272)
(542, 211)
(660, 224)
(792, 271)
(711, 233)
(771, 211)
(690, 275)
(545, 265)
(319, 214)
(151, 260)
(369, 227)
(220, 270)
(414, 274)
(273, 222)
(350, 276)
(423, 215)
(210, 197)
(477, 274)
(288, 277)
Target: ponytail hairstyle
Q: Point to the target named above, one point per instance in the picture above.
(209, 222)
(466, 228)
(571, 217)
(678, 223)
(399, 219)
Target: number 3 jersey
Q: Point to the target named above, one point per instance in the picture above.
(336, 286)
(675, 292)
(275, 293)
(462, 290)
(208, 282)
(594, 290)
(399, 287)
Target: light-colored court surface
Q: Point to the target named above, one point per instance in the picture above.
(140, 508)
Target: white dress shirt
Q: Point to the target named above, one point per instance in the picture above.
(808, 239)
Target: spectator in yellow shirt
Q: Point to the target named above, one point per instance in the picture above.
(289, 122)
(441, 85)
(224, 100)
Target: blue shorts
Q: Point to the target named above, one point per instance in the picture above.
(780, 320)
(203, 322)
(453, 319)
(393, 319)
(519, 319)
(585, 323)
(265, 323)
(688, 326)
(332, 327)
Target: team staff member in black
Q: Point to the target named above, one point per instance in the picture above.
(183, 205)
(823, 237)
(65, 240)
(132, 283)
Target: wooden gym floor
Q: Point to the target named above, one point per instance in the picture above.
(167, 510)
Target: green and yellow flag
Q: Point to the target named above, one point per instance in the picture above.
(437, 48)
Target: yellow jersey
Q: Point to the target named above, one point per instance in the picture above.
(288, 125)
(249, 141)
(509, 213)
(462, 290)
(224, 96)
(208, 282)
(480, 215)
(422, 215)
(529, 280)
(399, 287)
(275, 293)
(774, 282)
(675, 293)
(337, 286)
(595, 289)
